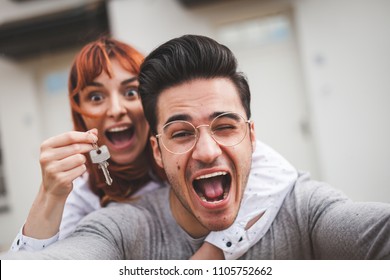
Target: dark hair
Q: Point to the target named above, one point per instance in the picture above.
(184, 59)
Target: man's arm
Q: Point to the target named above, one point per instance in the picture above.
(343, 229)
(97, 237)
(353, 231)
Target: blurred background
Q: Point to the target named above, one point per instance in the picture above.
(319, 72)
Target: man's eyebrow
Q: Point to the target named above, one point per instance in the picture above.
(188, 118)
(131, 80)
(178, 117)
(216, 114)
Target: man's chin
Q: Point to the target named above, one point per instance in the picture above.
(219, 225)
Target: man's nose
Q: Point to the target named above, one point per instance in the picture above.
(206, 148)
(116, 106)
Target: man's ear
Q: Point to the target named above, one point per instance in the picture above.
(253, 135)
(156, 151)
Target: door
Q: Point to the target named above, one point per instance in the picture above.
(266, 52)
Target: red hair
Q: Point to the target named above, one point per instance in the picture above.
(91, 61)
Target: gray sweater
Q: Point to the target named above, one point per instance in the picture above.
(314, 222)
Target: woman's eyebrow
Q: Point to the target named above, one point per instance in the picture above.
(127, 81)
(96, 84)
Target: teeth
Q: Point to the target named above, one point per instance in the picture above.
(215, 174)
(117, 129)
(225, 194)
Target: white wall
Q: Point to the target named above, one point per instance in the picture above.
(345, 51)
(51, 78)
(148, 23)
(20, 133)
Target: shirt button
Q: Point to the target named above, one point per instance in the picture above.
(228, 244)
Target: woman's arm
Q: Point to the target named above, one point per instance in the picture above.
(62, 161)
(208, 252)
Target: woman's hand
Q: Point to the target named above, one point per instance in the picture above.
(62, 160)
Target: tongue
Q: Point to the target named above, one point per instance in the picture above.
(120, 137)
(211, 188)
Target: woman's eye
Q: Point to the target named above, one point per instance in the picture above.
(131, 93)
(95, 96)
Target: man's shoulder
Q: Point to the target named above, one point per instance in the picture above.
(154, 197)
(138, 207)
(312, 195)
(307, 187)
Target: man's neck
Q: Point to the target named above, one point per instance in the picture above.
(185, 219)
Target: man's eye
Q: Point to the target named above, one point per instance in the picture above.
(131, 93)
(223, 127)
(182, 134)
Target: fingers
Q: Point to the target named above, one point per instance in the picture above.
(66, 164)
(67, 144)
(69, 138)
(60, 183)
(63, 159)
(93, 131)
(55, 154)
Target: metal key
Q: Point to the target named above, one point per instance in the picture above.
(100, 155)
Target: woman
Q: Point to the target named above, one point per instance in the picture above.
(107, 110)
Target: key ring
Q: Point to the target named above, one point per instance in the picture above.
(94, 144)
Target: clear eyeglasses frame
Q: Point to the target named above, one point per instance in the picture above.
(227, 129)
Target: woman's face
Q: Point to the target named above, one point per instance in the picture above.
(118, 113)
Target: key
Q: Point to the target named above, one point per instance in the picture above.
(100, 155)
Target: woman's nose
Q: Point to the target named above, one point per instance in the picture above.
(116, 106)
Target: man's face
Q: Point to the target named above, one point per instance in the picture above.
(208, 181)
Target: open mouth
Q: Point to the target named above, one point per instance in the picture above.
(120, 135)
(213, 187)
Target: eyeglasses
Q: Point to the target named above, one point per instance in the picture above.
(180, 137)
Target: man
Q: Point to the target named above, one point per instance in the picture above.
(198, 108)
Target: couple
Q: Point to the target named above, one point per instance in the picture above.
(198, 109)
